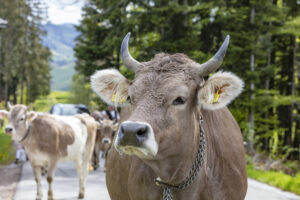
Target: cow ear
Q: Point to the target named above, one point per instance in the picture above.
(31, 115)
(219, 90)
(3, 114)
(111, 86)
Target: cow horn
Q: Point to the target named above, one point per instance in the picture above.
(128, 60)
(215, 62)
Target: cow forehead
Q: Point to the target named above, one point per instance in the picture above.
(16, 111)
(159, 85)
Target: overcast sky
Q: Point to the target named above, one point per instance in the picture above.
(64, 11)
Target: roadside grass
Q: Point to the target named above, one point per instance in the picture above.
(277, 179)
(7, 151)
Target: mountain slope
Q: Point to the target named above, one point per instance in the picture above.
(61, 40)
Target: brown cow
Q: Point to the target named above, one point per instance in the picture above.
(49, 139)
(163, 149)
(104, 137)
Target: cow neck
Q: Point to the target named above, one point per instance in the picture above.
(168, 187)
(26, 134)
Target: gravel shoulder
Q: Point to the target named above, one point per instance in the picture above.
(9, 177)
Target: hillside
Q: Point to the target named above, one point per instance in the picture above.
(61, 40)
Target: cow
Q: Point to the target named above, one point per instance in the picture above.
(178, 139)
(49, 139)
(104, 137)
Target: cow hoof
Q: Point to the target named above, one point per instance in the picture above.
(81, 196)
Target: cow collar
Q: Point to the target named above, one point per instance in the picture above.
(26, 134)
(167, 193)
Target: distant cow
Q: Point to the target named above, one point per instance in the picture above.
(163, 149)
(49, 139)
(104, 137)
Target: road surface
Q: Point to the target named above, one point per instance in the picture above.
(65, 186)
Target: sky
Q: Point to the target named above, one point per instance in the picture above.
(64, 11)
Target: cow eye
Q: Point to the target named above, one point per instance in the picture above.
(22, 119)
(179, 101)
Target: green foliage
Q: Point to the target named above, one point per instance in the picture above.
(277, 179)
(81, 92)
(24, 61)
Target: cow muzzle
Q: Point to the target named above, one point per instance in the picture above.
(136, 138)
(8, 130)
(106, 141)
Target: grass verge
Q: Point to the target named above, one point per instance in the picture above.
(277, 179)
(7, 151)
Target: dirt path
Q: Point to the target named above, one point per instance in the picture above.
(9, 177)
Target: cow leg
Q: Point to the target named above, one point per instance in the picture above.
(80, 176)
(96, 157)
(50, 179)
(38, 176)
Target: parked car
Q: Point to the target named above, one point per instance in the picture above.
(69, 109)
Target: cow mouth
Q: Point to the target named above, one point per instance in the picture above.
(132, 150)
(9, 133)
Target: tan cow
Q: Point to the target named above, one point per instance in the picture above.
(49, 139)
(104, 138)
(163, 150)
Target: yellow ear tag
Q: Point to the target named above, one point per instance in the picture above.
(216, 97)
(113, 99)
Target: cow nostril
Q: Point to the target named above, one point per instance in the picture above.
(141, 132)
(8, 129)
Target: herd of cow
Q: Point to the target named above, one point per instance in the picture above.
(176, 138)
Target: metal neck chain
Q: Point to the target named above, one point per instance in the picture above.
(167, 193)
(26, 134)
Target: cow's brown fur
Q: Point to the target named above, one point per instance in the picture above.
(53, 140)
(223, 175)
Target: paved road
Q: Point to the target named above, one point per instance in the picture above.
(65, 186)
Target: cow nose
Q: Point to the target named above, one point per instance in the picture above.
(133, 133)
(106, 141)
(8, 130)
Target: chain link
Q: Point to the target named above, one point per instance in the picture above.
(167, 193)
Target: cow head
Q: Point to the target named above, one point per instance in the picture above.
(164, 98)
(19, 118)
(107, 129)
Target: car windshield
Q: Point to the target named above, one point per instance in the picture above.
(69, 111)
(65, 109)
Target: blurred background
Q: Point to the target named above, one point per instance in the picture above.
(49, 49)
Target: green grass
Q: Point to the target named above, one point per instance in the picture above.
(44, 103)
(277, 179)
(7, 151)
